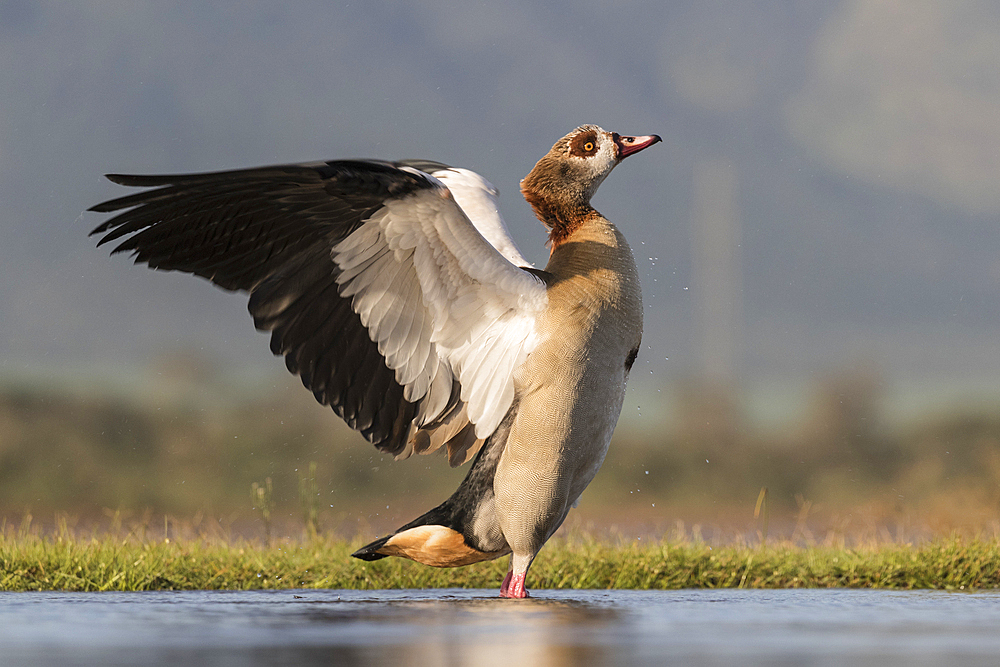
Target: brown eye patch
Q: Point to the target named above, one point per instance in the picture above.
(583, 145)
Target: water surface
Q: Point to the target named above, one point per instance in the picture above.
(466, 627)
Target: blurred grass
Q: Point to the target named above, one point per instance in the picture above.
(191, 446)
(129, 562)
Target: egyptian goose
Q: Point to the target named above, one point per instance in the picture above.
(395, 293)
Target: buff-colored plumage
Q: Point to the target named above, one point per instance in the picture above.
(571, 387)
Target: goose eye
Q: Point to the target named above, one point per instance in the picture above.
(584, 145)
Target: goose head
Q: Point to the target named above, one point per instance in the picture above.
(565, 179)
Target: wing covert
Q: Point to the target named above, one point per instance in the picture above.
(481, 307)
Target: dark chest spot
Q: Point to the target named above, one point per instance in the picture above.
(630, 359)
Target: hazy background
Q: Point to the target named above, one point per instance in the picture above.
(820, 221)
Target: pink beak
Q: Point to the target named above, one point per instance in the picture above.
(628, 145)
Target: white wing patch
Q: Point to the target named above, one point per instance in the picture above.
(441, 302)
(478, 198)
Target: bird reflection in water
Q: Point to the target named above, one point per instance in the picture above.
(463, 631)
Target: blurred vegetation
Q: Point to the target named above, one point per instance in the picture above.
(186, 447)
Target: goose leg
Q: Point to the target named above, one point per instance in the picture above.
(506, 582)
(513, 583)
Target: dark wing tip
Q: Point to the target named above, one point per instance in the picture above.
(128, 201)
(104, 207)
(122, 179)
(369, 552)
(426, 166)
(152, 180)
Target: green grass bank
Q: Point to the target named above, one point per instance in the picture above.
(32, 562)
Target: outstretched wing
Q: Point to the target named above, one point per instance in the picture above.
(382, 295)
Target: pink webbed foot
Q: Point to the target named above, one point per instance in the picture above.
(513, 586)
(517, 573)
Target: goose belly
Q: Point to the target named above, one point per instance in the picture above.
(569, 406)
(571, 387)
